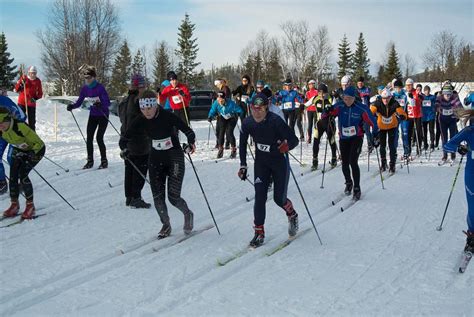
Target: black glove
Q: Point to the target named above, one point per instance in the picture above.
(399, 117)
(181, 92)
(97, 104)
(242, 173)
(124, 154)
(209, 119)
(70, 107)
(410, 95)
(189, 148)
(462, 149)
(376, 141)
(21, 155)
(335, 94)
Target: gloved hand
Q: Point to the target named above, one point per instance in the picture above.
(283, 147)
(462, 149)
(124, 154)
(399, 117)
(189, 148)
(97, 104)
(376, 141)
(209, 119)
(242, 173)
(410, 95)
(22, 155)
(70, 107)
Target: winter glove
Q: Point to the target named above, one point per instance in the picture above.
(189, 148)
(97, 104)
(399, 117)
(21, 155)
(70, 107)
(462, 149)
(209, 119)
(283, 147)
(124, 154)
(242, 173)
(376, 141)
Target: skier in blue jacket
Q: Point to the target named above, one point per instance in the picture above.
(287, 99)
(469, 100)
(429, 117)
(453, 145)
(352, 115)
(273, 139)
(18, 114)
(227, 112)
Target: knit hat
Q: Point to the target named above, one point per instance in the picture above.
(386, 93)
(171, 75)
(221, 94)
(137, 81)
(381, 87)
(287, 82)
(362, 79)
(312, 81)
(409, 81)
(260, 83)
(322, 87)
(259, 100)
(345, 80)
(4, 113)
(350, 91)
(32, 69)
(89, 71)
(398, 83)
(447, 90)
(148, 100)
(267, 92)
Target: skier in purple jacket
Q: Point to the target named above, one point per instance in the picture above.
(97, 96)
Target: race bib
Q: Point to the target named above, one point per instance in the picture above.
(410, 110)
(244, 98)
(448, 112)
(22, 146)
(263, 147)
(93, 99)
(288, 105)
(426, 103)
(163, 144)
(176, 99)
(401, 101)
(386, 120)
(226, 116)
(297, 104)
(349, 131)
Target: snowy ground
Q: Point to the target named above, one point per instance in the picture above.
(382, 256)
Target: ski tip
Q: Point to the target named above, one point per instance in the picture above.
(342, 209)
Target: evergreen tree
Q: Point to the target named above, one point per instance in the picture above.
(122, 71)
(187, 51)
(138, 65)
(465, 66)
(361, 59)
(345, 58)
(273, 71)
(380, 75)
(249, 65)
(162, 63)
(450, 71)
(7, 71)
(392, 68)
(258, 66)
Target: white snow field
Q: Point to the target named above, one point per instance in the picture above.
(381, 257)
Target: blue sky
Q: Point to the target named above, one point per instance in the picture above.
(224, 27)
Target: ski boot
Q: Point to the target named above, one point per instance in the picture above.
(453, 157)
(348, 188)
(188, 222)
(88, 165)
(383, 166)
(13, 210)
(227, 145)
(315, 165)
(333, 162)
(103, 164)
(29, 212)
(233, 153)
(165, 231)
(138, 203)
(292, 218)
(220, 153)
(258, 238)
(128, 200)
(357, 193)
(391, 170)
(469, 242)
(3, 187)
(432, 147)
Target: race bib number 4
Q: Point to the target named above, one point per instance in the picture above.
(349, 131)
(163, 144)
(263, 147)
(426, 103)
(287, 105)
(448, 112)
(176, 99)
(386, 120)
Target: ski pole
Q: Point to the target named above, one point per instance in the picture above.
(105, 116)
(294, 157)
(417, 139)
(203, 193)
(248, 180)
(77, 124)
(304, 202)
(380, 171)
(450, 194)
(34, 169)
(324, 162)
(248, 144)
(64, 169)
(208, 134)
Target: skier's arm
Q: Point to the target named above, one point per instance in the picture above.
(104, 98)
(287, 134)
(32, 139)
(453, 143)
(370, 120)
(135, 128)
(373, 108)
(82, 96)
(399, 110)
(244, 135)
(183, 127)
(39, 95)
(213, 110)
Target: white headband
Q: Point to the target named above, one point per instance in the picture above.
(148, 103)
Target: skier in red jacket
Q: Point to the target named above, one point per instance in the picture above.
(29, 87)
(178, 96)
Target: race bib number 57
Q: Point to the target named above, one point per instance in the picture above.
(263, 147)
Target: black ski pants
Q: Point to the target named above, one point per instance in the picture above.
(100, 124)
(19, 170)
(350, 151)
(134, 182)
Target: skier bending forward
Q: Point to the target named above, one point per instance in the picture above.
(166, 160)
(273, 139)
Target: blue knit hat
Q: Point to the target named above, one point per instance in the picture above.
(259, 100)
(350, 91)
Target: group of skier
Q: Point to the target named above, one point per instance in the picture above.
(149, 136)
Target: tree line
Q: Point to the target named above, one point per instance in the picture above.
(87, 32)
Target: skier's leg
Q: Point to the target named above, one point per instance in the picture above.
(310, 123)
(392, 136)
(222, 130)
(405, 137)
(24, 171)
(432, 133)
(425, 134)
(330, 132)
(14, 177)
(286, 114)
(299, 122)
(103, 122)
(292, 119)
(158, 176)
(3, 146)
(383, 146)
(92, 124)
(453, 130)
(469, 180)
(345, 147)
(32, 117)
(316, 141)
(355, 149)
(438, 130)
(261, 178)
(444, 126)
(232, 122)
(141, 162)
(280, 171)
(175, 180)
(128, 180)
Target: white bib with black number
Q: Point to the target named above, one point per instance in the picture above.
(244, 98)
(287, 105)
(386, 120)
(263, 147)
(448, 112)
(176, 99)
(226, 116)
(163, 144)
(349, 131)
(400, 101)
(426, 103)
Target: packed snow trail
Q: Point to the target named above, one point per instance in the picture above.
(381, 256)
